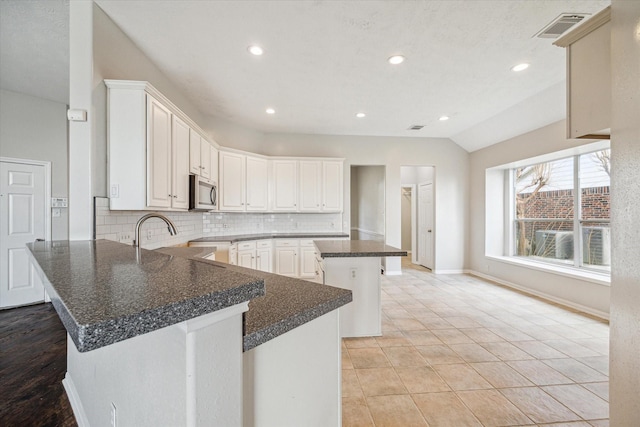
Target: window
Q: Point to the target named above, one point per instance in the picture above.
(552, 222)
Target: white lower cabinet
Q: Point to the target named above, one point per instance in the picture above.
(287, 258)
(264, 257)
(247, 254)
(307, 259)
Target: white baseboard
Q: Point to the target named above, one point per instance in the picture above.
(74, 400)
(393, 273)
(449, 271)
(597, 313)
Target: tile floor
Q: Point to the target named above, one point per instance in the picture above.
(459, 351)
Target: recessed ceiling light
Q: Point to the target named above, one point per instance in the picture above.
(255, 50)
(396, 59)
(443, 118)
(360, 115)
(270, 111)
(520, 67)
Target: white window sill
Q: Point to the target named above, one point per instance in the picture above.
(575, 273)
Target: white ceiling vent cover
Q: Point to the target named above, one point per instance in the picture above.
(416, 127)
(561, 24)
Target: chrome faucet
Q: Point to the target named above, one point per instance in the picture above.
(170, 225)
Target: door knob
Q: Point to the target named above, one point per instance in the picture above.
(428, 231)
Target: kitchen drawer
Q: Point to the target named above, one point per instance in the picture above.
(306, 242)
(263, 243)
(286, 243)
(243, 246)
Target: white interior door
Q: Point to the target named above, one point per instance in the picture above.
(23, 220)
(425, 225)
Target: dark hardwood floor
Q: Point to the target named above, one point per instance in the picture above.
(33, 362)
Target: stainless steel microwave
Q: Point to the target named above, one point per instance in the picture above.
(203, 195)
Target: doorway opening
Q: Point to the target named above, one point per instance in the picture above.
(368, 203)
(418, 214)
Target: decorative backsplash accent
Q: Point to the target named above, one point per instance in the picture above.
(111, 225)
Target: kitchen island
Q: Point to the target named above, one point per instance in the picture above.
(156, 339)
(356, 265)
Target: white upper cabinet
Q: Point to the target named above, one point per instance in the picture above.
(232, 181)
(310, 185)
(589, 77)
(149, 149)
(205, 158)
(332, 185)
(306, 185)
(194, 153)
(284, 185)
(257, 184)
(214, 164)
(180, 164)
(159, 154)
(201, 157)
(244, 182)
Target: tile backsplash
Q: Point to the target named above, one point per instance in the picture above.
(224, 223)
(192, 225)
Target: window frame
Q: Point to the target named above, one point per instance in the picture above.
(511, 220)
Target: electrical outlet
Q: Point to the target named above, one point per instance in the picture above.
(149, 234)
(225, 225)
(126, 236)
(353, 273)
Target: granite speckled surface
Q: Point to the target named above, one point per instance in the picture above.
(356, 248)
(287, 303)
(105, 292)
(261, 236)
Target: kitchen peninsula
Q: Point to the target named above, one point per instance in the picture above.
(356, 265)
(157, 338)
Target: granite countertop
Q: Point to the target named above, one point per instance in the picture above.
(356, 248)
(287, 303)
(105, 292)
(261, 236)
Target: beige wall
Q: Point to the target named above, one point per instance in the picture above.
(36, 129)
(625, 213)
(549, 139)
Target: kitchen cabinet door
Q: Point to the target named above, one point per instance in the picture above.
(180, 164)
(232, 181)
(158, 154)
(308, 262)
(285, 188)
(332, 186)
(194, 152)
(247, 258)
(287, 261)
(205, 158)
(264, 259)
(257, 184)
(309, 183)
(214, 165)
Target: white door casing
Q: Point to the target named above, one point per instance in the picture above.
(24, 207)
(425, 225)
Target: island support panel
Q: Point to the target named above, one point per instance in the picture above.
(361, 275)
(187, 374)
(295, 379)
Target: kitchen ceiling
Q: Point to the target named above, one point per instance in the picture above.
(325, 61)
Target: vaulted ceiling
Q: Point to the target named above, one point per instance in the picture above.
(325, 61)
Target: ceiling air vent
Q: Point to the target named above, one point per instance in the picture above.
(416, 127)
(561, 24)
